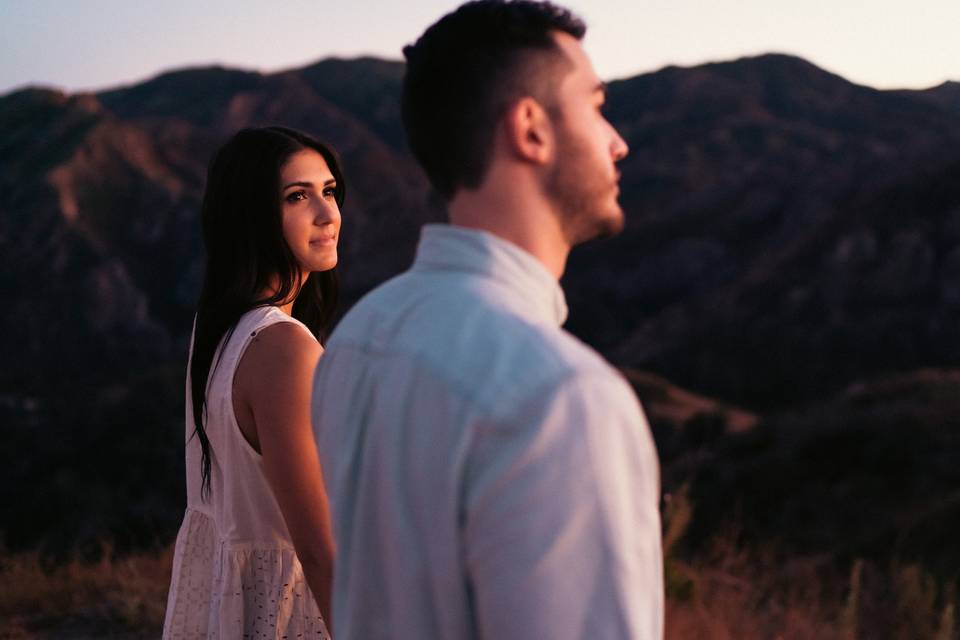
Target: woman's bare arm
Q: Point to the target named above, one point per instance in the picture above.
(272, 388)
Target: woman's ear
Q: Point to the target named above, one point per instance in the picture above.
(529, 132)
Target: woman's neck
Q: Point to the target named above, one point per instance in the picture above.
(287, 305)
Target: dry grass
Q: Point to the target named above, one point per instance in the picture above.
(733, 595)
(727, 594)
(112, 598)
(736, 595)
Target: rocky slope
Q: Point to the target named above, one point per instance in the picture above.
(789, 234)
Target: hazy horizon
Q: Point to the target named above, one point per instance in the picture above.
(105, 43)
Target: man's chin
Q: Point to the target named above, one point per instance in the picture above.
(600, 228)
(611, 224)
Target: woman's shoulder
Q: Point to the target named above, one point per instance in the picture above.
(279, 341)
(276, 368)
(259, 319)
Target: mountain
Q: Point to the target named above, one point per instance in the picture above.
(789, 234)
(945, 95)
(867, 473)
(100, 260)
(781, 220)
(101, 193)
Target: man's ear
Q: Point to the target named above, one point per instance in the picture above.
(529, 131)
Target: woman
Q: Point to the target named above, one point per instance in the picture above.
(254, 555)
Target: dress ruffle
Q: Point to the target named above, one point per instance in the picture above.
(229, 590)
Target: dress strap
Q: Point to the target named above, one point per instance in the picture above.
(250, 324)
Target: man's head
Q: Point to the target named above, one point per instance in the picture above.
(473, 72)
(465, 70)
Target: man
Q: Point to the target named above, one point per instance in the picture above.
(490, 476)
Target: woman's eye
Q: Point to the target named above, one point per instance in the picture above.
(296, 196)
(329, 192)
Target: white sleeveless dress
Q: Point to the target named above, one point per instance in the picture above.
(235, 573)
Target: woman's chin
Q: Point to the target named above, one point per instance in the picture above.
(325, 264)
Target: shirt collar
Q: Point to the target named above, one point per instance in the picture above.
(454, 248)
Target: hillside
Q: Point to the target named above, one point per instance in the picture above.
(790, 235)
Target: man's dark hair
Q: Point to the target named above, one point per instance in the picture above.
(465, 70)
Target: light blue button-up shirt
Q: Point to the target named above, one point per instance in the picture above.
(490, 476)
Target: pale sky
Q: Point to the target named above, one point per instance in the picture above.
(96, 44)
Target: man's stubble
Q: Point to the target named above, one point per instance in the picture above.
(584, 195)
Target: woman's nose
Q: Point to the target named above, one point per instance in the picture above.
(327, 214)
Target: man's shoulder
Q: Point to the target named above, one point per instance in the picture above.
(467, 335)
(505, 362)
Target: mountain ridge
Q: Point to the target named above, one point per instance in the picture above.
(788, 235)
(755, 153)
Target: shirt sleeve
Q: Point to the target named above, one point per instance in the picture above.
(561, 525)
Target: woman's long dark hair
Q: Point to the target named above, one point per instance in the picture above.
(247, 254)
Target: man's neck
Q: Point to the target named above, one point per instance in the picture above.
(526, 222)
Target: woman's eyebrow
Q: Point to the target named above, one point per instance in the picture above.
(300, 183)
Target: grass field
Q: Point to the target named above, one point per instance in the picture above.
(726, 594)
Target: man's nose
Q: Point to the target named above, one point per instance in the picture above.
(619, 147)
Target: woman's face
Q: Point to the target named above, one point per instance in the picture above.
(311, 217)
